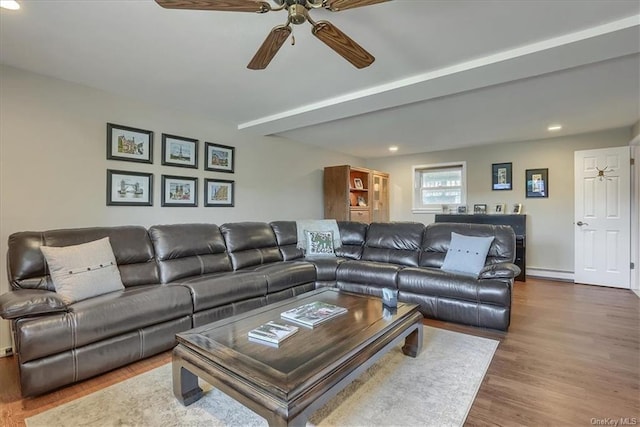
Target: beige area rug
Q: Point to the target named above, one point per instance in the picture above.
(435, 389)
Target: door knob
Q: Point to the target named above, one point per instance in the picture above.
(580, 223)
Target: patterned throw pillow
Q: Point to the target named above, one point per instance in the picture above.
(319, 243)
(83, 271)
(466, 254)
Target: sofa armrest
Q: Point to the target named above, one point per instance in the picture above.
(501, 270)
(29, 302)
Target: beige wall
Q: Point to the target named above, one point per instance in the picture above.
(53, 164)
(549, 221)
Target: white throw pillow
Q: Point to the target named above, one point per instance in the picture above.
(467, 254)
(83, 271)
(319, 243)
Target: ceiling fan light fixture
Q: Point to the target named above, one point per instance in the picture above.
(297, 14)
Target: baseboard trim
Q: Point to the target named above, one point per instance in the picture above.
(545, 273)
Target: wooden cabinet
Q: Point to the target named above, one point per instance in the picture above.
(356, 194)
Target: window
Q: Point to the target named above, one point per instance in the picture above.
(437, 185)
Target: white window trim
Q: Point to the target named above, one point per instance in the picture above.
(416, 185)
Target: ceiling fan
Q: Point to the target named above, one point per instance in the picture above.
(298, 13)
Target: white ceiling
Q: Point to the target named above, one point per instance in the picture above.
(447, 74)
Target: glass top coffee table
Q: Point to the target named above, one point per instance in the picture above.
(286, 384)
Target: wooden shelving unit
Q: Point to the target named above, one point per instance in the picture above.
(356, 194)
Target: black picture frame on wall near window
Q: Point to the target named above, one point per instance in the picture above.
(501, 177)
(537, 181)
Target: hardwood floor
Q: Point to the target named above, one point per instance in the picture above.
(571, 357)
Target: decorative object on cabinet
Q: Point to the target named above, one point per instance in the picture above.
(219, 158)
(501, 176)
(129, 144)
(126, 188)
(537, 182)
(500, 208)
(219, 193)
(179, 191)
(480, 209)
(517, 208)
(517, 222)
(179, 151)
(462, 210)
(356, 194)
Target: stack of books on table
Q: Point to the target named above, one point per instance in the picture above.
(272, 332)
(313, 313)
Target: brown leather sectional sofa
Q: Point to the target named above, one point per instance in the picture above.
(185, 275)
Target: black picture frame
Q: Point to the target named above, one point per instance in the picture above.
(219, 193)
(219, 158)
(179, 191)
(129, 144)
(179, 151)
(501, 177)
(126, 188)
(537, 183)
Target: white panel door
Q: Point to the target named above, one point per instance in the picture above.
(603, 217)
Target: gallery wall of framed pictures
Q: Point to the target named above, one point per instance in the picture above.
(135, 188)
(536, 186)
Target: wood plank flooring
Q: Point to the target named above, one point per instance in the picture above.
(571, 357)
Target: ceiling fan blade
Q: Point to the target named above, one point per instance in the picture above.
(223, 5)
(337, 5)
(270, 47)
(342, 44)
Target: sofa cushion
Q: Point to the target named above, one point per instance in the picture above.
(287, 274)
(326, 267)
(466, 254)
(319, 243)
(131, 246)
(395, 242)
(352, 236)
(438, 236)
(377, 274)
(83, 271)
(250, 244)
(287, 239)
(435, 282)
(185, 250)
(218, 289)
(99, 318)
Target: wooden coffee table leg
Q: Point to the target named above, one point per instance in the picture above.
(185, 385)
(413, 342)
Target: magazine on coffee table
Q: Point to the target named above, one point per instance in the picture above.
(273, 332)
(313, 313)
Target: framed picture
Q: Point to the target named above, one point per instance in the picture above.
(219, 158)
(480, 209)
(179, 191)
(537, 182)
(501, 176)
(517, 209)
(357, 183)
(462, 210)
(179, 151)
(129, 144)
(126, 188)
(219, 192)
(500, 208)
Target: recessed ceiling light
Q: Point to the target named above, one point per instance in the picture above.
(9, 4)
(393, 148)
(554, 128)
